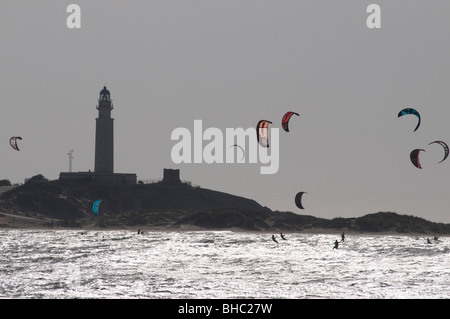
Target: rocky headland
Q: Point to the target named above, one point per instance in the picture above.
(40, 203)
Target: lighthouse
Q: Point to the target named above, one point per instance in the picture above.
(104, 134)
(104, 149)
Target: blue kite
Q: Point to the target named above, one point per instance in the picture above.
(95, 206)
(410, 111)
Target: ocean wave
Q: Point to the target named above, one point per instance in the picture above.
(121, 264)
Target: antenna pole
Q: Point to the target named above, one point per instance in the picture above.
(70, 159)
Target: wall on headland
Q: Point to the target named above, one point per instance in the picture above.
(105, 178)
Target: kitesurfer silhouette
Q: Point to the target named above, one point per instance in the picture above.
(273, 238)
(342, 236)
(336, 244)
(282, 237)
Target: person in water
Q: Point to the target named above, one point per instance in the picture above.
(336, 244)
(273, 238)
(342, 237)
(282, 237)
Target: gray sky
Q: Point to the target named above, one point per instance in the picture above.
(231, 63)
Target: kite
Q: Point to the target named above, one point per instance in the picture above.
(415, 157)
(410, 111)
(285, 120)
(95, 206)
(13, 142)
(298, 200)
(445, 146)
(262, 133)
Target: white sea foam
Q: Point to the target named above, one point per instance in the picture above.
(219, 264)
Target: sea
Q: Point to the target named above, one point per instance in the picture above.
(189, 265)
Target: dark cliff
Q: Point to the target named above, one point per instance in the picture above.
(69, 200)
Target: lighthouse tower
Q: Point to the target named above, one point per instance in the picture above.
(104, 150)
(104, 135)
